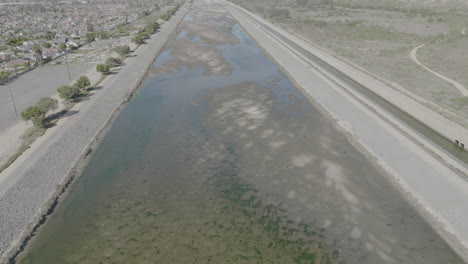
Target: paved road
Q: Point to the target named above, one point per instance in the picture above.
(30, 87)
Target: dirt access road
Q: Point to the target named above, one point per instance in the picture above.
(414, 57)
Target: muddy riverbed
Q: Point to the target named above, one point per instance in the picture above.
(219, 158)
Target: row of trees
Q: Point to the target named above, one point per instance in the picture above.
(37, 113)
(68, 92)
(111, 62)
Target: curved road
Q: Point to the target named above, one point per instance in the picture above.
(413, 56)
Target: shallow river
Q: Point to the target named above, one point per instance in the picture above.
(219, 158)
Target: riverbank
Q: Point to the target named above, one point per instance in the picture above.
(36, 180)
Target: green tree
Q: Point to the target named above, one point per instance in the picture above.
(47, 45)
(68, 92)
(37, 113)
(122, 50)
(46, 104)
(83, 83)
(113, 61)
(37, 53)
(104, 68)
(34, 114)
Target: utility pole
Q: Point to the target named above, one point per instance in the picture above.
(68, 68)
(13, 100)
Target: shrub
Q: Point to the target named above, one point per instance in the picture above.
(138, 39)
(122, 50)
(354, 23)
(62, 47)
(104, 35)
(90, 36)
(169, 13)
(314, 22)
(260, 9)
(279, 13)
(151, 28)
(104, 68)
(113, 61)
(4, 75)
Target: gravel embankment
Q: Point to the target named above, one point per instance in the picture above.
(36, 180)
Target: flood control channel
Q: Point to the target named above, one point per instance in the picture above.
(219, 158)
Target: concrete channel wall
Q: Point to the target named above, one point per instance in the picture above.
(36, 180)
(431, 185)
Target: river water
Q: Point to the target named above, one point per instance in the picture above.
(219, 158)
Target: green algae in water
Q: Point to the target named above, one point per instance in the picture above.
(289, 241)
(222, 222)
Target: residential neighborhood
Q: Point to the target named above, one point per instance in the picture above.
(34, 33)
